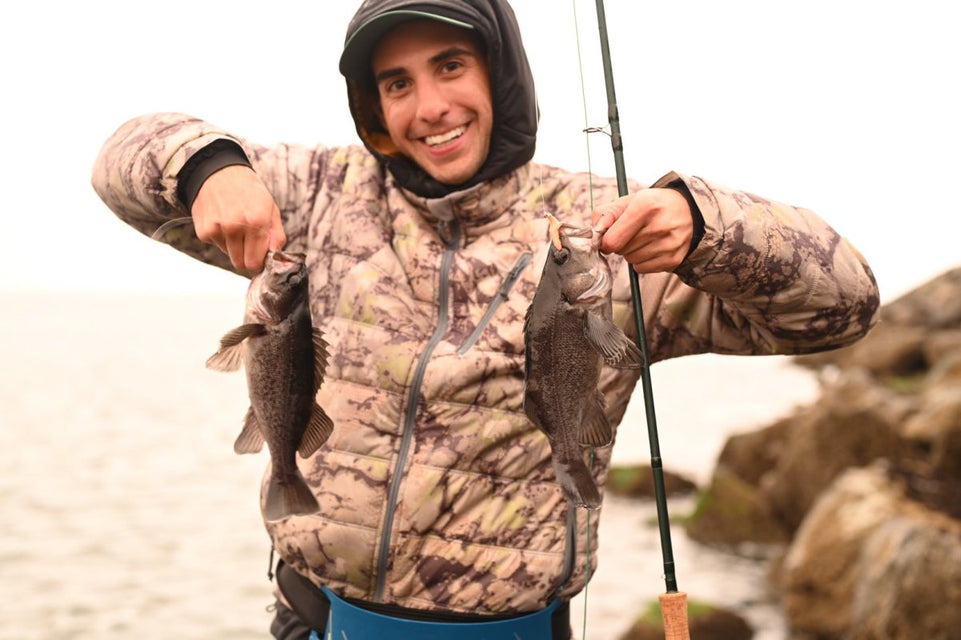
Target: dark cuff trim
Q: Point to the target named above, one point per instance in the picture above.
(203, 164)
(696, 217)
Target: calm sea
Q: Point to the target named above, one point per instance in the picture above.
(127, 514)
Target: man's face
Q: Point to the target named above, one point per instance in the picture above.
(435, 97)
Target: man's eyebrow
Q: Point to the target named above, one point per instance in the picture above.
(450, 52)
(388, 73)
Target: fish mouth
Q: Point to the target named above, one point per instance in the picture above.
(556, 228)
(288, 264)
(288, 257)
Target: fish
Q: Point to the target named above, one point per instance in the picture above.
(285, 358)
(569, 335)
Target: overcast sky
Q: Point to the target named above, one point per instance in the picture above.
(848, 108)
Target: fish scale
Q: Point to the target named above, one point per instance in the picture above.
(569, 336)
(285, 359)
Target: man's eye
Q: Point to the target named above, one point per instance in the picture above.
(452, 65)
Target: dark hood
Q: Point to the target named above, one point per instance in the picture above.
(512, 88)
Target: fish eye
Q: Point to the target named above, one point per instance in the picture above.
(560, 257)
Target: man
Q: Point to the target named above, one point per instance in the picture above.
(424, 249)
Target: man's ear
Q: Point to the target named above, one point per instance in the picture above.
(369, 116)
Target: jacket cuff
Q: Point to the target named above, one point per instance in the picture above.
(203, 164)
(673, 181)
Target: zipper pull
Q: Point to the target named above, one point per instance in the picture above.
(513, 275)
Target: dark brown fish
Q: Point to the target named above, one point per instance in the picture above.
(285, 359)
(569, 335)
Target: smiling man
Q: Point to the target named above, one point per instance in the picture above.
(435, 103)
(424, 249)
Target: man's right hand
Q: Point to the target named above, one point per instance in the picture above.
(234, 211)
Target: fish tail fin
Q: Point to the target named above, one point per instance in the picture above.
(288, 496)
(577, 483)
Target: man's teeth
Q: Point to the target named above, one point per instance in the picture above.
(444, 137)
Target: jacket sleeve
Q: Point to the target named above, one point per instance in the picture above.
(138, 168)
(777, 279)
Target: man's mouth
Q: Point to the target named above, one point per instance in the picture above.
(447, 136)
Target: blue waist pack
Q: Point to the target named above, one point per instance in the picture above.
(347, 621)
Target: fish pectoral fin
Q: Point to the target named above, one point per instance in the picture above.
(251, 439)
(607, 339)
(230, 355)
(596, 430)
(318, 430)
(320, 357)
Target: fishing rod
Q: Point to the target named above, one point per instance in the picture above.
(673, 603)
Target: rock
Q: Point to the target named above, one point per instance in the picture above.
(637, 481)
(867, 561)
(732, 512)
(934, 305)
(933, 433)
(908, 584)
(705, 622)
(942, 345)
(937, 494)
(853, 424)
(889, 350)
(750, 456)
(820, 568)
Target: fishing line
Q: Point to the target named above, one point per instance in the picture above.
(587, 129)
(170, 224)
(590, 190)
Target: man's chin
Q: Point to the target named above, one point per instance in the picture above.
(450, 176)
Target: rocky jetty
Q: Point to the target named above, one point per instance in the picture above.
(859, 494)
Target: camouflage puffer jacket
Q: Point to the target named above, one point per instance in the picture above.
(436, 492)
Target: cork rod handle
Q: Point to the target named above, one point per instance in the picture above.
(674, 614)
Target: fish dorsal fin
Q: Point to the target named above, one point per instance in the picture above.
(230, 355)
(251, 439)
(595, 429)
(318, 430)
(608, 340)
(320, 357)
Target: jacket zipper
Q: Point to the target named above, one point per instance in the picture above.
(513, 275)
(451, 245)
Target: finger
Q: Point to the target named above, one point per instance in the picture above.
(277, 238)
(625, 234)
(210, 234)
(655, 264)
(235, 250)
(255, 248)
(218, 241)
(649, 257)
(603, 217)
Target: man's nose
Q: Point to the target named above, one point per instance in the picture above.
(432, 101)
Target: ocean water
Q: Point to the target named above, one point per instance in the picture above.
(127, 514)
